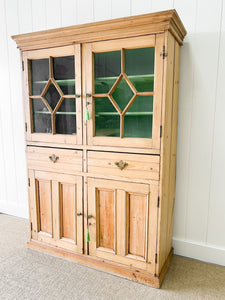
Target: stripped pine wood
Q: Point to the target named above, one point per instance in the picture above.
(145, 167)
(108, 198)
(67, 161)
(168, 20)
(165, 156)
(45, 205)
(137, 224)
(105, 206)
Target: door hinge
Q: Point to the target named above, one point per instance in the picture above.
(164, 54)
(160, 131)
(26, 126)
(28, 181)
(31, 226)
(22, 65)
(158, 202)
(156, 258)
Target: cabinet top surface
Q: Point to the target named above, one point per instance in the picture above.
(104, 30)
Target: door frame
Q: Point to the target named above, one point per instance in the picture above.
(47, 53)
(55, 180)
(88, 50)
(120, 253)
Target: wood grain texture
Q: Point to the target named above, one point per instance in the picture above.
(137, 224)
(137, 275)
(138, 166)
(68, 161)
(106, 216)
(45, 205)
(124, 27)
(68, 210)
(167, 107)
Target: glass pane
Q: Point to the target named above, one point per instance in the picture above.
(107, 66)
(64, 73)
(41, 117)
(65, 118)
(122, 94)
(107, 119)
(39, 70)
(52, 96)
(138, 119)
(139, 67)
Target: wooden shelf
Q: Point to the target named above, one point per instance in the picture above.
(69, 82)
(57, 113)
(132, 114)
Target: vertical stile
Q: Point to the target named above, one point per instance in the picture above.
(126, 223)
(147, 225)
(51, 75)
(75, 213)
(122, 61)
(115, 221)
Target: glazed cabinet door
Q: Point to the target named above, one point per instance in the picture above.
(52, 88)
(56, 209)
(122, 222)
(123, 83)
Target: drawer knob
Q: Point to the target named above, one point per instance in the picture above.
(121, 164)
(79, 214)
(53, 158)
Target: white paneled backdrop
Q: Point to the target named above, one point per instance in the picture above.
(199, 228)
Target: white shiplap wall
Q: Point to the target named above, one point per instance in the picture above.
(199, 228)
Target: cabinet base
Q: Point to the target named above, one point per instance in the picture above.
(134, 274)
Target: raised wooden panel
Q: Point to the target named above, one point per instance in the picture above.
(67, 161)
(137, 224)
(44, 193)
(129, 226)
(68, 202)
(105, 212)
(138, 166)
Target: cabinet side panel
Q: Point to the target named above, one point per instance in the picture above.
(172, 172)
(166, 150)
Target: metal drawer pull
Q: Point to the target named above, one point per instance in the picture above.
(77, 96)
(121, 164)
(88, 95)
(53, 158)
(79, 214)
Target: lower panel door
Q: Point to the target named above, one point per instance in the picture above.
(123, 222)
(56, 209)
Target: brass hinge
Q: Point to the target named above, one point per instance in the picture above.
(26, 126)
(156, 258)
(164, 54)
(158, 202)
(160, 131)
(31, 226)
(28, 181)
(22, 65)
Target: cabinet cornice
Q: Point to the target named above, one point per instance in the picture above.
(104, 30)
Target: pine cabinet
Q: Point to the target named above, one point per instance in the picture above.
(100, 108)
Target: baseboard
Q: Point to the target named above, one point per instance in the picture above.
(14, 210)
(206, 253)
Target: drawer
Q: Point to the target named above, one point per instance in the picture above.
(137, 166)
(55, 160)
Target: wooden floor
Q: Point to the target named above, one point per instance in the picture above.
(28, 274)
